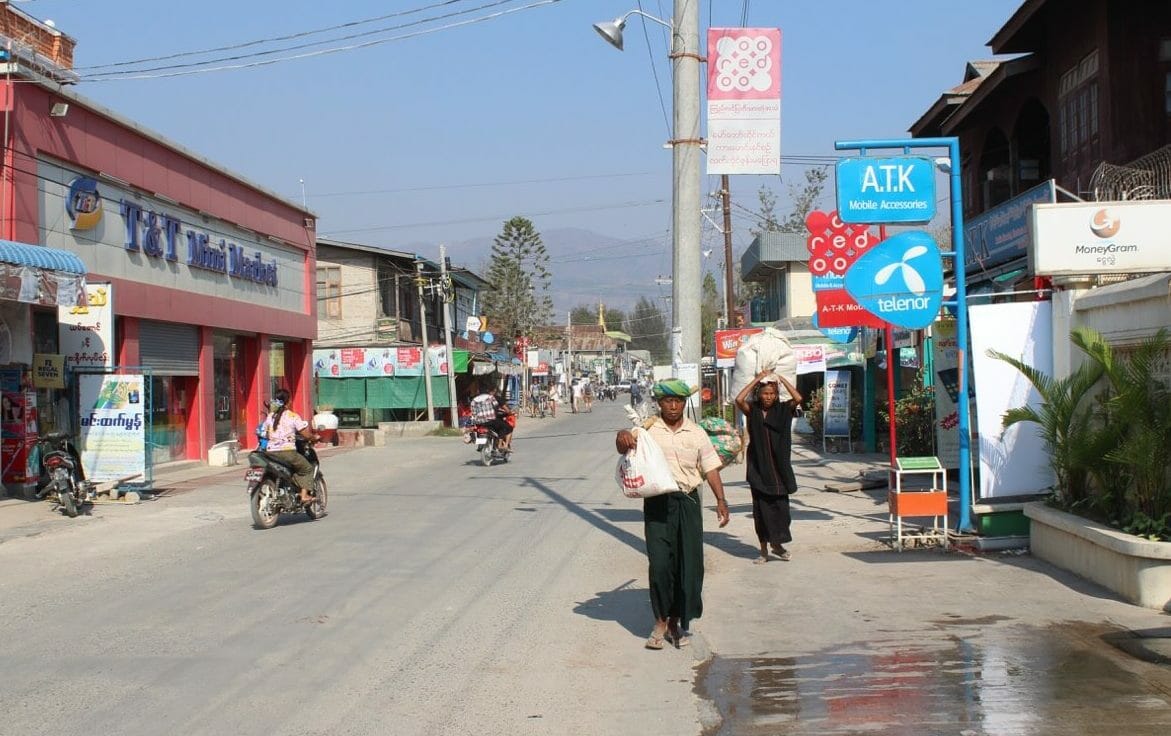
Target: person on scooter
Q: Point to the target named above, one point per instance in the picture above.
(489, 412)
(282, 427)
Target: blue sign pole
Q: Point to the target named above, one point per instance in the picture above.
(961, 299)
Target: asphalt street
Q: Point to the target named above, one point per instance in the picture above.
(442, 597)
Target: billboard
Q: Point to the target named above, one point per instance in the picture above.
(1100, 237)
(744, 101)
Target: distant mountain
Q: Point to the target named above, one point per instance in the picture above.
(587, 267)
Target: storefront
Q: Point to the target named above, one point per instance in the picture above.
(207, 279)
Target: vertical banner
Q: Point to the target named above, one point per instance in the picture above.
(945, 360)
(14, 418)
(1013, 461)
(113, 425)
(744, 101)
(836, 404)
(87, 332)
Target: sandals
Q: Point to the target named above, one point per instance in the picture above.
(782, 554)
(656, 641)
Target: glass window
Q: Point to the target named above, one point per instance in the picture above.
(1093, 92)
(329, 292)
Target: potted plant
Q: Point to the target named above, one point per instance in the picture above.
(1107, 427)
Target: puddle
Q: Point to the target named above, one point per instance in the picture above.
(997, 681)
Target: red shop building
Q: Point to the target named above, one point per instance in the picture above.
(210, 278)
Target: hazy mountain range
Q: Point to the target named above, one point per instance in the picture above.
(587, 267)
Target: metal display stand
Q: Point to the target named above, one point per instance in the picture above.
(909, 503)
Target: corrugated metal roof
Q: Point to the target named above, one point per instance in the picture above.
(39, 256)
(772, 250)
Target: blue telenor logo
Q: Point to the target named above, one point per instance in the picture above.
(900, 281)
(840, 335)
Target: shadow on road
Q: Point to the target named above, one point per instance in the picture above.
(593, 517)
(627, 605)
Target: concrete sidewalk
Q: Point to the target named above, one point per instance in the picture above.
(20, 517)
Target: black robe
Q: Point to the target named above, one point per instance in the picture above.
(770, 450)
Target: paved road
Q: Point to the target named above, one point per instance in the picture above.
(438, 597)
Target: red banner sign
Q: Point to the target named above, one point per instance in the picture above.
(729, 341)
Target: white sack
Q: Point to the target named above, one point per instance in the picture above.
(644, 472)
(767, 351)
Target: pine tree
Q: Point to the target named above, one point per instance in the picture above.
(648, 330)
(518, 298)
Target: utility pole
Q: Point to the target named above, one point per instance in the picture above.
(729, 292)
(423, 336)
(569, 349)
(685, 212)
(448, 296)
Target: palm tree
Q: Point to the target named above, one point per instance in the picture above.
(1066, 420)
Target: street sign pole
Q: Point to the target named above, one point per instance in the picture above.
(961, 298)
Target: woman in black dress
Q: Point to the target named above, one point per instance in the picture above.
(770, 465)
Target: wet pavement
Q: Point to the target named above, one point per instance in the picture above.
(851, 637)
(1011, 681)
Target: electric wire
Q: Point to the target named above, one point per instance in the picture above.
(187, 70)
(271, 39)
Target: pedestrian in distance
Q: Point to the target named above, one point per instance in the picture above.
(770, 460)
(672, 522)
(553, 400)
(635, 394)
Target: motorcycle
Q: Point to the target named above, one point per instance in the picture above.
(61, 474)
(272, 491)
(486, 442)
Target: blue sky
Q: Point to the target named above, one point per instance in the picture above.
(440, 138)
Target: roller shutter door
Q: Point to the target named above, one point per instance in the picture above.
(169, 349)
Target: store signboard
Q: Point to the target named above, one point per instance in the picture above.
(1093, 238)
(886, 190)
(86, 333)
(153, 240)
(48, 370)
(113, 425)
(744, 101)
(1001, 234)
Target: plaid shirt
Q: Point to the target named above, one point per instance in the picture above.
(484, 408)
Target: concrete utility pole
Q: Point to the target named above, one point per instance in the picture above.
(685, 221)
(423, 336)
(729, 290)
(448, 295)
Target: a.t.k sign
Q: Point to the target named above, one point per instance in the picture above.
(886, 190)
(900, 281)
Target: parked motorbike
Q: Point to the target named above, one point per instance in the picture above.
(272, 491)
(61, 476)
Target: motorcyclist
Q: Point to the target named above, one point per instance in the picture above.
(488, 411)
(281, 428)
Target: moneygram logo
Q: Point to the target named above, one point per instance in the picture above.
(1105, 224)
(900, 281)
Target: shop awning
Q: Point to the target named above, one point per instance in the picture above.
(34, 274)
(38, 256)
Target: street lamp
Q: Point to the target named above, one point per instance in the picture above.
(685, 197)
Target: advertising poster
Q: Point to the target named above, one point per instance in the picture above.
(1013, 461)
(730, 341)
(744, 101)
(113, 426)
(17, 414)
(945, 360)
(810, 358)
(86, 333)
(48, 371)
(836, 409)
(378, 362)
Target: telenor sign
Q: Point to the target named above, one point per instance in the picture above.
(886, 190)
(900, 281)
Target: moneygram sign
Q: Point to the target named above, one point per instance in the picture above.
(1100, 237)
(886, 190)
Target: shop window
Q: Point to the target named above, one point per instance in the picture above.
(329, 292)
